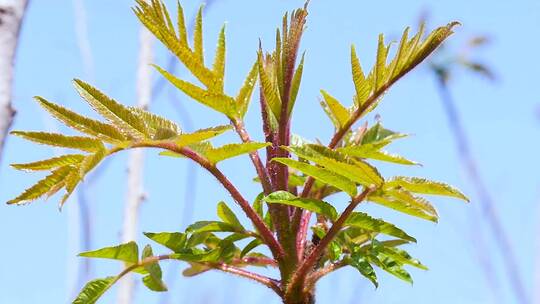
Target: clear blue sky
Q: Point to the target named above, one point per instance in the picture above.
(36, 263)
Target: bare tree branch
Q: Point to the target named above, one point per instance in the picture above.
(11, 16)
(135, 192)
(485, 199)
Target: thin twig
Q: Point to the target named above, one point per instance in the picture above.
(11, 17)
(486, 201)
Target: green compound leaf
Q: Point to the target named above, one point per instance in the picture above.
(216, 155)
(339, 115)
(153, 280)
(250, 246)
(187, 139)
(425, 186)
(227, 215)
(321, 174)
(355, 170)
(103, 131)
(87, 144)
(94, 289)
(128, 252)
(362, 265)
(372, 152)
(159, 127)
(119, 115)
(175, 241)
(405, 203)
(313, 205)
(364, 221)
(47, 186)
(51, 163)
(212, 226)
(244, 95)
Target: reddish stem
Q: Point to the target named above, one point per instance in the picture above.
(266, 235)
(310, 261)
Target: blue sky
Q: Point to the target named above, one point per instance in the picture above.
(36, 263)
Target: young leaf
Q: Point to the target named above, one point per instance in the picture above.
(364, 221)
(424, 186)
(93, 290)
(324, 175)
(158, 24)
(51, 163)
(195, 269)
(313, 205)
(269, 88)
(219, 61)
(212, 226)
(335, 110)
(355, 170)
(158, 127)
(380, 65)
(297, 79)
(401, 256)
(227, 215)
(371, 152)
(175, 241)
(198, 49)
(362, 265)
(83, 124)
(187, 139)
(58, 140)
(153, 279)
(391, 266)
(404, 206)
(244, 95)
(250, 246)
(128, 252)
(214, 100)
(362, 87)
(119, 115)
(216, 155)
(44, 186)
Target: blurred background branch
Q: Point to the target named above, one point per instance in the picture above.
(442, 68)
(11, 17)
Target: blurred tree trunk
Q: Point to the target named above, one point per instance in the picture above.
(135, 188)
(11, 16)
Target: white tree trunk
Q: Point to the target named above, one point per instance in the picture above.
(11, 15)
(135, 189)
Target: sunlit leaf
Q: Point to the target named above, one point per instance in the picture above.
(93, 290)
(58, 140)
(324, 175)
(116, 113)
(43, 187)
(313, 205)
(51, 163)
(425, 186)
(128, 252)
(153, 279)
(364, 221)
(227, 215)
(106, 132)
(175, 241)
